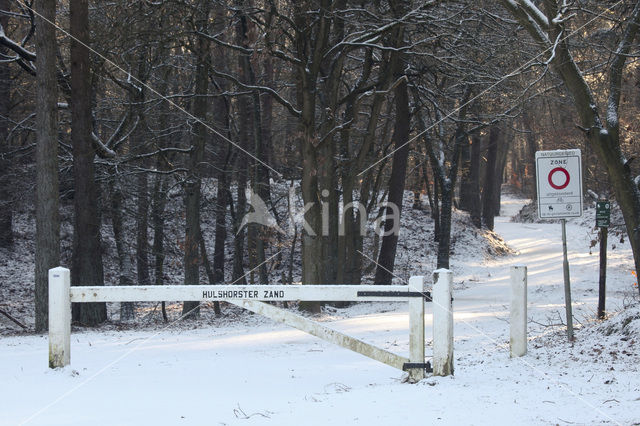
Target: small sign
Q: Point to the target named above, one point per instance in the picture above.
(603, 214)
(559, 183)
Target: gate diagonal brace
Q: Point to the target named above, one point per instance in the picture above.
(323, 332)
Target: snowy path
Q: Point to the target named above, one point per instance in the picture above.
(258, 373)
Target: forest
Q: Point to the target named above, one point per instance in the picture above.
(136, 136)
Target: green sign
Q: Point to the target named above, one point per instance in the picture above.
(603, 213)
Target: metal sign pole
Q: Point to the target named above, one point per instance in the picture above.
(602, 284)
(567, 282)
(603, 220)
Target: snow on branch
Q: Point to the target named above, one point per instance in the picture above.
(540, 18)
(562, 17)
(121, 133)
(265, 89)
(593, 195)
(372, 37)
(154, 153)
(553, 50)
(215, 39)
(102, 150)
(16, 47)
(531, 18)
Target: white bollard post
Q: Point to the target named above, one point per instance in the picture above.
(416, 328)
(59, 317)
(442, 322)
(518, 318)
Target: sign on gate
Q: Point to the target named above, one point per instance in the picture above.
(559, 183)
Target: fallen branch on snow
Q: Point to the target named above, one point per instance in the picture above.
(6, 314)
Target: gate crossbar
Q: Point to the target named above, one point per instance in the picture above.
(273, 293)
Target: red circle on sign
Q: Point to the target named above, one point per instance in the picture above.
(566, 175)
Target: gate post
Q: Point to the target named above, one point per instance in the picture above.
(442, 322)
(59, 317)
(416, 328)
(518, 320)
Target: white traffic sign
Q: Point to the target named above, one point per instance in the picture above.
(559, 183)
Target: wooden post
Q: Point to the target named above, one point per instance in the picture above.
(442, 323)
(59, 317)
(416, 328)
(602, 287)
(518, 317)
(567, 282)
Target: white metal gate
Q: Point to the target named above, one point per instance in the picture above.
(252, 297)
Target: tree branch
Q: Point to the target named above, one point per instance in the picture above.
(615, 77)
(263, 89)
(16, 47)
(530, 17)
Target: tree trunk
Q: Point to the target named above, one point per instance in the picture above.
(447, 180)
(142, 230)
(475, 204)
(312, 250)
(87, 256)
(351, 244)
(47, 209)
(264, 151)
(387, 256)
(444, 234)
(244, 166)
(531, 148)
(266, 145)
(157, 211)
(314, 162)
(222, 200)
(467, 184)
(447, 186)
(209, 270)
(489, 193)
(501, 163)
(349, 266)
(192, 259)
(127, 309)
(259, 173)
(237, 273)
(329, 212)
(6, 205)
(224, 153)
(261, 187)
(159, 195)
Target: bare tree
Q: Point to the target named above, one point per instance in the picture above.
(387, 255)
(86, 266)
(192, 185)
(6, 210)
(47, 210)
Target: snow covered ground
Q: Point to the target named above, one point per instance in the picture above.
(254, 372)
